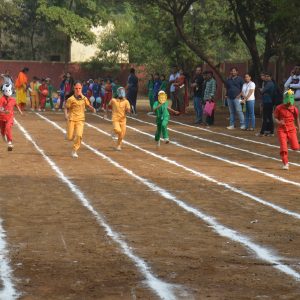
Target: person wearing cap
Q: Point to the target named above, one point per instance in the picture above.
(7, 104)
(162, 109)
(285, 116)
(75, 116)
(120, 106)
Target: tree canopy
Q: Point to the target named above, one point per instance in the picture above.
(157, 33)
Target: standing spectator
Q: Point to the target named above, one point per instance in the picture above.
(197, 86)
(34, 94)
(234, 86)
(174, 75)
(85, 88)
(180, 89)
(21, 87)
(67, 88)
(248, 97)
(132, 90)
(43, 93)
(50, 93)
(156, 86)
(293, 83)
(7, 79)
(267, 92)
(210, 94)
(115, 86)
(95, 92)
(164, 83)
(150, 86)
(108, 94)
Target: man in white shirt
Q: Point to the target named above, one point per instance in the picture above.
(174, 75)
(294, 83)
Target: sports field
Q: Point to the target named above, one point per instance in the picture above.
(209, 216)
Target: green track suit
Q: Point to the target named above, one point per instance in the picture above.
(162, 120)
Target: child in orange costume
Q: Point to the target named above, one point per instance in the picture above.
(120, 107)
(75, 116)
(285, 116)
(7, 104)
(34, 94)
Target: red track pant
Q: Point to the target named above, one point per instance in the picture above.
(286, 136)
(6, 129)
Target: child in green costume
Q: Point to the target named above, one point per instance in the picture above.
(162, 109)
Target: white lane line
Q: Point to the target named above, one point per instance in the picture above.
(224, 134)
(7, 288)
(273, 176)
(208, 178)
(218, 143)
(261, 252)
(162, 289)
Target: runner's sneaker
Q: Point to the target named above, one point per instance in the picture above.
(114, 137)
(167, 141)
(285, 167)
(231, 127)
(243, 127)
(74, 154)
(158, 143)
(10, 146)
(119, 148)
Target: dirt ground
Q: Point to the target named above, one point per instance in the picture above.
(58, 250)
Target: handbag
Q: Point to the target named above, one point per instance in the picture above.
(209, 108)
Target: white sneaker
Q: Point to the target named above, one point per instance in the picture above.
(158, 143)
(231, 127)
(167, 141)
(74, 154)
(114, 137)
(243, 127)
(60, 109)
(10, 146)
(53, 109)
(285, 167)
(119, 148)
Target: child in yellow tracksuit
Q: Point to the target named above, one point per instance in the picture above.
(120, 107)
(75, 116)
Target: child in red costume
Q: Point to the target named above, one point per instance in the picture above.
(285, 116)
(43, 93)
(7, 104)
(108, 94)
